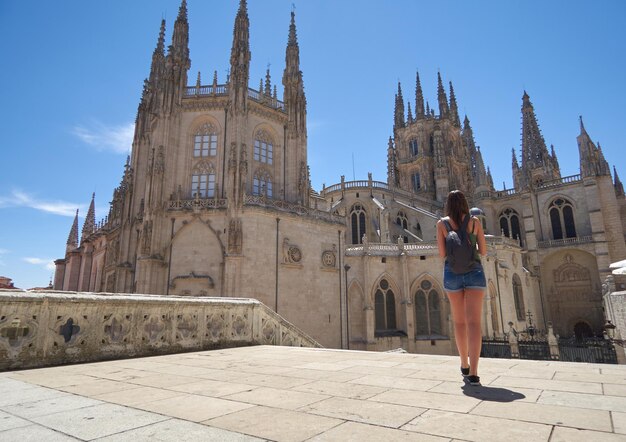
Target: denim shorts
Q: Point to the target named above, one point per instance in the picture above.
(474, 279)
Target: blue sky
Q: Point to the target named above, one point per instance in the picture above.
(73, 71)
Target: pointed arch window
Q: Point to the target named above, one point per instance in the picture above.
(562, 219)
(416, 182)
(263, 147)
(428, 312)
(432, 144)
(518, 297)
(262, 184)
(203, 180)
(205, 141)
(413, 148)
(385, 309)
(510, 225)
(357, 220)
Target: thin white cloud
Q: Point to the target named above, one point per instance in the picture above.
(47, 264)
(18, 198)
(116, 139)
(3, 252)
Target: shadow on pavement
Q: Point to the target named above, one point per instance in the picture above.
(493, 394)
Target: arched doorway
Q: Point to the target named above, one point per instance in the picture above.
(582, 330)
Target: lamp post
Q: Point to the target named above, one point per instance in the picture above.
(346, 267)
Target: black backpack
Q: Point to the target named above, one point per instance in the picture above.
(459, 251)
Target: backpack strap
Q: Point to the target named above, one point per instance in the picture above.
(447, 225)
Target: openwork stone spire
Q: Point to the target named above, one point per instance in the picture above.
(240, 59)
(619, 187)
(293, 93)
(419, 98)
(72, 239)
(179, 49)
(398, 116)
(454, 110)
(592, 162)
(441, 98)
(537, 164)
(392, 164)
(90, 220)
(477, 165)
(158, 57)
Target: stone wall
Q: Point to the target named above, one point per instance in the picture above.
(48, 328)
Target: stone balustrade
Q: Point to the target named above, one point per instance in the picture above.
(40, 328)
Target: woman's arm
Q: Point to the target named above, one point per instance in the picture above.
(441, 238)
(480, 236)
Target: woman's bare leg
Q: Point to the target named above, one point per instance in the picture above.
(473, 315)
(457, 306)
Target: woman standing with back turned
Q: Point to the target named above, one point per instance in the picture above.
(465, 290)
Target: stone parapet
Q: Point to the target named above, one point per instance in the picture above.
(48, 328)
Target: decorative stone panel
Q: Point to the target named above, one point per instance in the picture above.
(48, 328)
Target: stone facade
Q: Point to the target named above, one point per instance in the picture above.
(215, 200)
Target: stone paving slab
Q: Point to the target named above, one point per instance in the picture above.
(352, 431)
(368, 412)
(179, 431)
(193, 407)
(547, 414)
(96, 421)
(477, 428)
(35, 433)
(298, 394)
(275, 424)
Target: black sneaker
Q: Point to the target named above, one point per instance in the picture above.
(465, 371)
(473, 380)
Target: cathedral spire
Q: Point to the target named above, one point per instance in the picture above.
(419, 97)
(537, 164)
(592, 162)
(619, 187)
(268, 84)
(158, 57)
(179, 49)
(90, 220)
(72, 239)
(399, 109)
(392, 164)
(293, 93)
(441, 97)
(477, 165)
(454, 110)
(409, 113)
(240, 60)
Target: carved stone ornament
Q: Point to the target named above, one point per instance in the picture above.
(291, 253)
(329, 259)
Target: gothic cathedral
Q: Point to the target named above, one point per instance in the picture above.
(215, 200)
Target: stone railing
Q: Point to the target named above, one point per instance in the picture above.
(298, 209)
(222, 90)
(566, 242)
(411, 197)
(197, 204)
(415, 249)
(39, 328)
(392, 249)
(505, 240)
(559, 182)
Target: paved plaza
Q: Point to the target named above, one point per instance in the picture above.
(302, 394)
